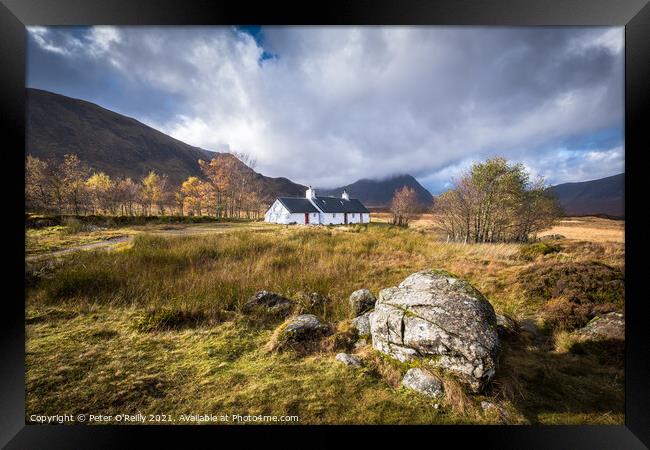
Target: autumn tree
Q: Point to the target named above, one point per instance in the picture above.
(151, 191)
(127, 192)
(404, 205)
(37, 194)
(218, 173)
(73, 174)
(101, 190)
(58, 186)
(192, 192)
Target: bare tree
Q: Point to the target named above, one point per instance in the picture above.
(404, 205)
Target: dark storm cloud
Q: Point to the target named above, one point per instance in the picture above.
(328, 105)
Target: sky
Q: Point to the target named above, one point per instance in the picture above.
(326, 106)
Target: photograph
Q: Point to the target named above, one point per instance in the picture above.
(324, 225)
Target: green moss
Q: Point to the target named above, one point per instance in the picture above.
(532, 251)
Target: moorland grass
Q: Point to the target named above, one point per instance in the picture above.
(157, 326)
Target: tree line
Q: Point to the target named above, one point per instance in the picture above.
(228, 188)
(493, 201)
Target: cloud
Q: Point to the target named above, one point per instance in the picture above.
(328, 105)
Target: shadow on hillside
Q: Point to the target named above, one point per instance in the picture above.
(589, 379)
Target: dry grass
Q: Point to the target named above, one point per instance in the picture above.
(157, 327)
(593, 229)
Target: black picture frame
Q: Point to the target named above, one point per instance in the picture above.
(15, 15)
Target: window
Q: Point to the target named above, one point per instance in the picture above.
(334, 215)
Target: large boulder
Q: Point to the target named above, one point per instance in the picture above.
(440, 318)
(269, 303)
(423, 382)
(362, 301)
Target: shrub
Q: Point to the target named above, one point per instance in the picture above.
(532, 251)
(573, 293)
(72, 225)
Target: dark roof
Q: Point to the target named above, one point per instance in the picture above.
(297, 205)
(339, 205)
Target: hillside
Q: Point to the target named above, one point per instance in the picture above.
(377, 193)
(115, 144)
(605, 196)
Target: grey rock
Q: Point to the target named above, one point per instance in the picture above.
(441, 318)
(606, 326)
(362, 301)
(490, 407)
(362, 324)
(349, 360)
(506, 326)
(269, 303)
(304, 328)
(422, 382)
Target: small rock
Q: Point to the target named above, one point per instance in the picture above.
(362, 324)
(269, 302)
(349, 360)
(506, 326)
(489, 407)
(436, 406)
(607, 326)
(422, 382)
(362, 301)
(304, 327)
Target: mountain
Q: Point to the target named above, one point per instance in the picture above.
(118, 145)
(605, 196)
(379, 193)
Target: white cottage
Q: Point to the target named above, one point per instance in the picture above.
(315, 210)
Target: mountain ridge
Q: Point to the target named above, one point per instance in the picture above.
(379, 192)
(603, 196)
(118, 145)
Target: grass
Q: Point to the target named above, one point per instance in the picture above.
(157, 327)
(58, 237)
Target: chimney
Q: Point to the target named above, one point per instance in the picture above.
(310, 193)
(345, 195)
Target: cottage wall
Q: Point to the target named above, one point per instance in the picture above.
(278, 213)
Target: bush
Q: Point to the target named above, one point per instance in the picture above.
(532, 251)
(72, 225)
(573, 293)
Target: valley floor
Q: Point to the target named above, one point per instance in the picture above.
(155, 326)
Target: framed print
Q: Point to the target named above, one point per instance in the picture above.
(358, 217)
